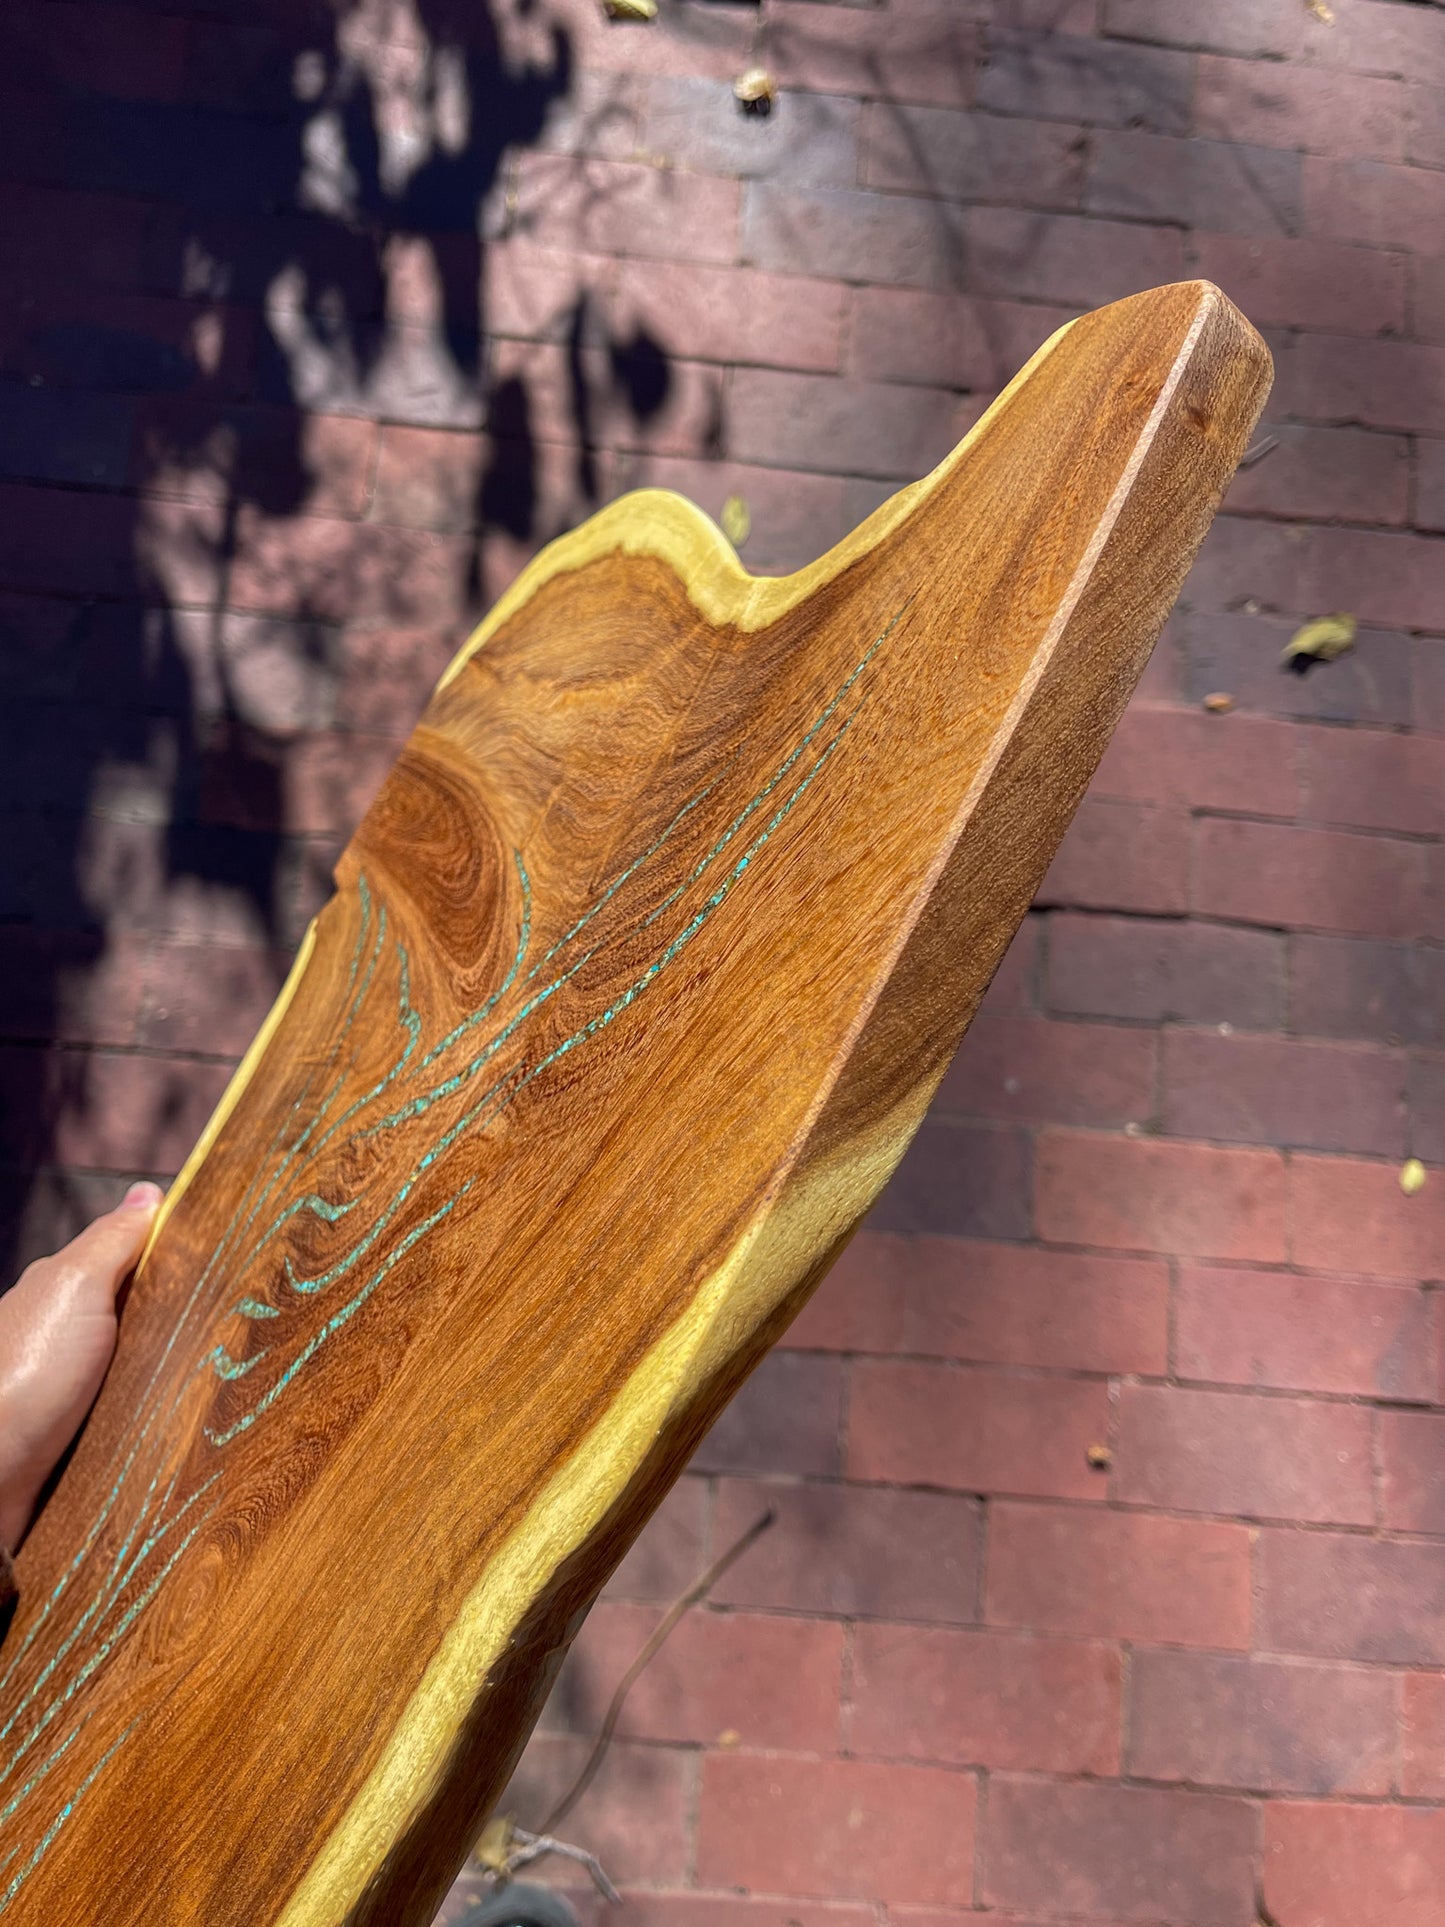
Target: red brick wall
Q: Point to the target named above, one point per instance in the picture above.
(315, 322)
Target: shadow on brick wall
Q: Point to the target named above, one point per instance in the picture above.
(239, 238)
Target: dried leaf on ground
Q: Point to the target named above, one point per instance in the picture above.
(1412, 1177)
(1321, 640)
(756, 90)
(630, 9)
(736, 521)
(1219, 702)
(1322, 11)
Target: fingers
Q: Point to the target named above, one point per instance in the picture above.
(57, 1333)
(90, 1270)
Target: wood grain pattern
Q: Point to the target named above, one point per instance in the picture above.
(638, 978)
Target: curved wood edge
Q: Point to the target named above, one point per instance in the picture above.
(1071, 700)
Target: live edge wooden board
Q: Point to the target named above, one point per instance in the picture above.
(638, 977)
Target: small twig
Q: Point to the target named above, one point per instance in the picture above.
(698, 1590)
(533, 1846)
(1259, 451)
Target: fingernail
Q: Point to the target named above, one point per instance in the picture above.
(142, 1197)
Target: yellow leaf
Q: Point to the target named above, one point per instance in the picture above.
(1412, 1177)
(1322, 11)
(736, 522)
(1322, 640)
(1219, 702)
(494, 1849)
(1099, 1457)
(630, 9)
(729, 1738)
(756, 88)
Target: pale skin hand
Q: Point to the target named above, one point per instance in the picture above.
(57, 1333)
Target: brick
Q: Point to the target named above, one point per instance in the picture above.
(968, 156)
(671, 1550)
(1074, 78)
(975, 1431)
(1427, 298)
(1225, 186)
(1383, 384)
(1029, 1069)
(738, 1910)
(1138, 1194)
(1241, 654)
(1422, 1736)
(1392, 580)
(985, 1699)
(1411, 1496)
(130, 1113)
(1139, 1853)
(528, 291)
(51, 234)
(1310, 879)
(1336, 1865)
(1341, 1595)
(1239, 1455)
(1357, 987)
(127, 53)
(694, 39)
(819, 422)
(79, 543)
(968, 1179)
(1265, 1724)
(1247, 562)
(1326, 474)
(1018, 1305)
(774, 1682)
(1294, 1334)
(633, 396)
(1307, 283)
(748, 1832)
(1373, 780)
(849, 235)
(1097, 1573)
(949, 340)
(70, 986)
(197, 452)
(626, 208)
(327, 569)
(786, 1418)
(1197, 761)
(1065, 258)
(812, 138)
(1429, 484)
(731, 314)
(1121, 856)
(428, 478)
(51, 435)
(858, 1307)
(206, 998)
(1374, 202)
(1426, 131)
(1346, 1215)
(637, 1815)
(1268, 1090)
(1158, 972)
(1281, 105)
(1231, 26)
(100, 338)
(928, 54)
(1426, 1100)
(854, 1552)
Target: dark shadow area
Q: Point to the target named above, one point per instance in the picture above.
(237, 238)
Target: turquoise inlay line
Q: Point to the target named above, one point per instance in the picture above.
(100, 1654)
(523, 940)
(253, 1308)
(364, 893)
(60, 1819)
(40, 1772)
(338, 1319)
(617, 883)
(224, 1366)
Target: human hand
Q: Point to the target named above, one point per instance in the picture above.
(57, 1333)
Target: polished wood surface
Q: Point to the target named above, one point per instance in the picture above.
(638, 977)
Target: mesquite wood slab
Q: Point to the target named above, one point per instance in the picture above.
(638, 978)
